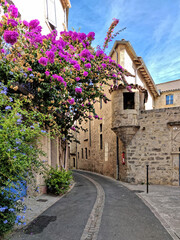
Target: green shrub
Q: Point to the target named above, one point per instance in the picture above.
(58, 181)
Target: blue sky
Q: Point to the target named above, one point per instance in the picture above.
(152, 27)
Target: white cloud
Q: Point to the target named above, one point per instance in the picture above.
(152, 29)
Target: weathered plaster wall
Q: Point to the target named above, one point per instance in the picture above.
(33, 9)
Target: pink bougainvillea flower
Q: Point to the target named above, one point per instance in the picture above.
(99, 53)
(77, 67)
(26, 23)
(13, 11)
(33, 23)
(103, 65)
(91, 36)
(83, 59)
(50, 55)
(6, 15)
(114, 75)
(55, 76)
(43, 61)
(60, 79)
(88, 65)
(111, 61)
(29, 69)
(96, 116)
(2, 50)
(73, 62)
(85, 73)
(81, 36)
(89, 116)
(78, 90)
(64, 83)
(73, 128)
(71, 101)
(47, 73)
(10, 36)
(115, 21)
(12, 22)
(78, 79)
(85, 53)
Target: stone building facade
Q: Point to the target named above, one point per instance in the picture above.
(169, 94)
(149, 137)
(126, 140)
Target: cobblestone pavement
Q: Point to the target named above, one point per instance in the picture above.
(100, 208)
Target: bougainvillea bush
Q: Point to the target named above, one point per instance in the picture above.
(47, 82)
(60, 73)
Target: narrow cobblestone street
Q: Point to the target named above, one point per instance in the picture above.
(97, 208)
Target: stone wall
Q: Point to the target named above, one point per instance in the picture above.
(55, 154)
(156, 143)
(98, 160)
(161, 100)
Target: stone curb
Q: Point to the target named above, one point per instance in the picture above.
(157, 215)
(155, 212)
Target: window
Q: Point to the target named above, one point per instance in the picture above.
(51, 13)
(100, 103)
(74, 162)
(101, 127)
(82, 153)
(90, 133)
(169, 99)
(86, 153)
(128, 100)
(101, 142)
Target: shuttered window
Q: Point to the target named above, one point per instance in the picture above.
(51, 13)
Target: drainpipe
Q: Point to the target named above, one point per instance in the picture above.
(117, 139)
(117, 158)
(179, 166)
(76, 157)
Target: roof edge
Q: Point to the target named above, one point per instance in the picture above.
(137, 60)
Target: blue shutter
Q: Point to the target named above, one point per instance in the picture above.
(167, 99)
